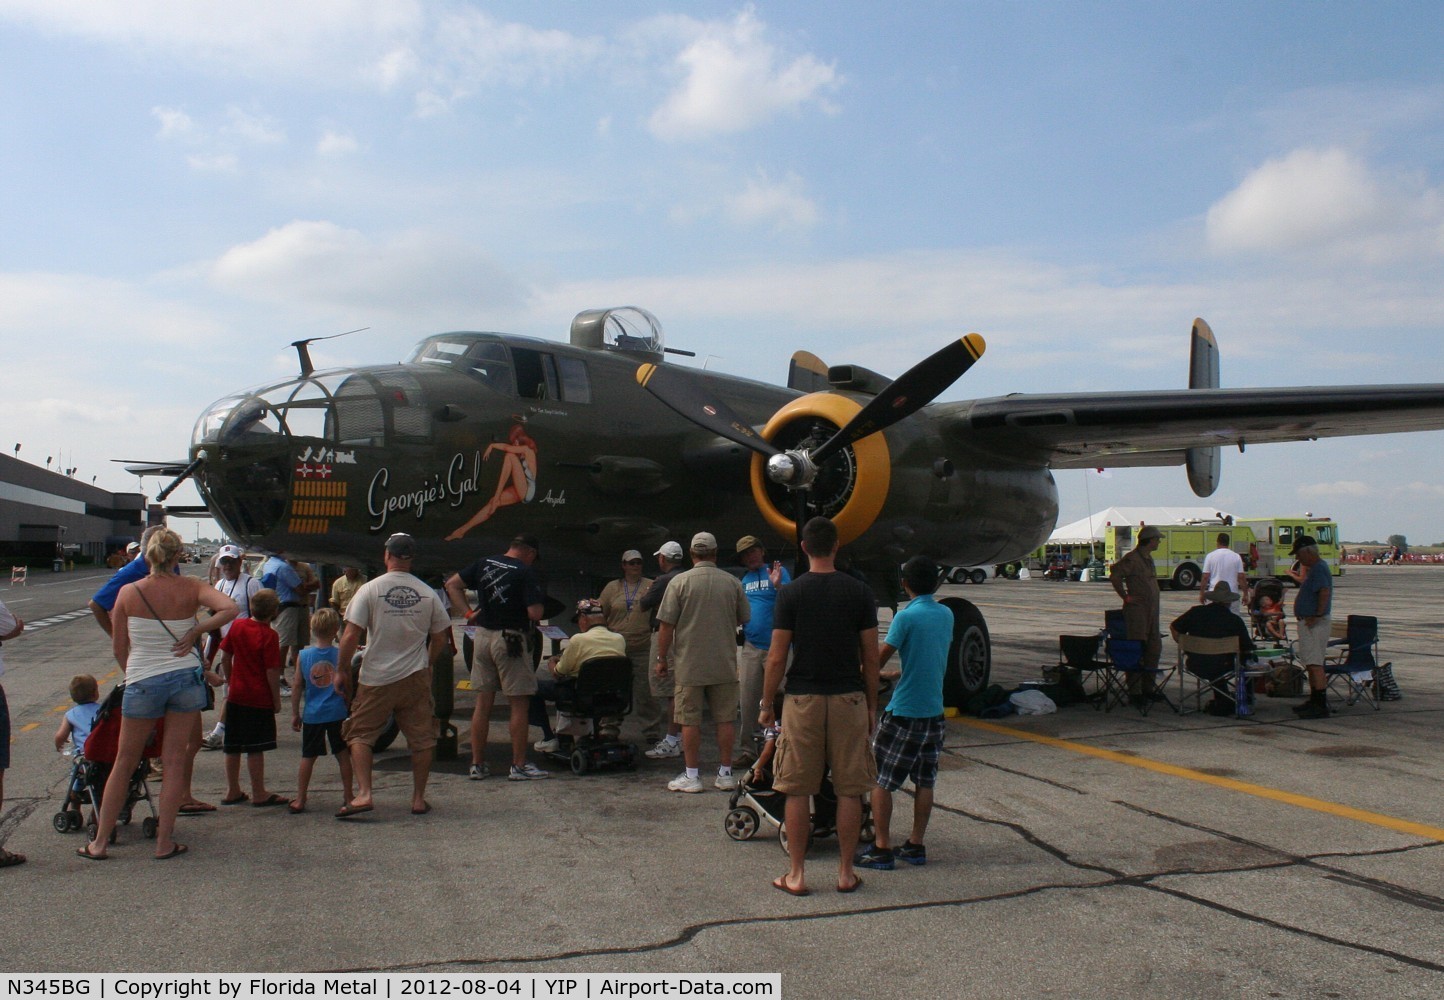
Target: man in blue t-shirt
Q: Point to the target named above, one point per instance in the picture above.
(1312, 607)
(292, 625)
(909, 739)
(759, 584)
(103, 603)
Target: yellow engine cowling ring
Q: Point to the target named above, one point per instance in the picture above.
(874, 468)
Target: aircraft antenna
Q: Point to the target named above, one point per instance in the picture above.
(304, 353)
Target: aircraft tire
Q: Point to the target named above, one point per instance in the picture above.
(978, 576)
(957, 575)
(970, 658)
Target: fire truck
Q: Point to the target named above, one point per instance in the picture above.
(1263, 542)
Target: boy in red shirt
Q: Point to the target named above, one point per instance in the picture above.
(250, 661)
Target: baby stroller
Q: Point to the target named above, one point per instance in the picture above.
(1268, 629)
(755, 802)
(90, 770)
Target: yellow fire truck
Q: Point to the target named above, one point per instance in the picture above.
(1263, 542)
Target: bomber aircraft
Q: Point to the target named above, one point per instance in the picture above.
(600, 445)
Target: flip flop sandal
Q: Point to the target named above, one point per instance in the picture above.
(271, 800)
(175, 850)
(243, 797)
(781, 883)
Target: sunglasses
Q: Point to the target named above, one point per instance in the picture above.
(632, 562)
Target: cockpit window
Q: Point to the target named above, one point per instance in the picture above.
(487, 361)
(576, 386)
(360, 419)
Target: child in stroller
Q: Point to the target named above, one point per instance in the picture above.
(91, 767)
(1266, 613)
(754, 801)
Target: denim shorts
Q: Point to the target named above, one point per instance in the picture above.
(173, 691)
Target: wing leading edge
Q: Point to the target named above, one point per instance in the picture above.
(1085, 430)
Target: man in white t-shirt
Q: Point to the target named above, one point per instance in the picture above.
(1223, 563)
(406, 629)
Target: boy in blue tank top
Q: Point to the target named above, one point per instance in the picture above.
(317, 708)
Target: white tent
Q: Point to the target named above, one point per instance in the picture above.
(1090, 529)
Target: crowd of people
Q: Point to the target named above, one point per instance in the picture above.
(744, 645)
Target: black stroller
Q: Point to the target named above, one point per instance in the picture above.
(90, 770)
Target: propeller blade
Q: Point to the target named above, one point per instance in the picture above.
(908, 393)
(684, 395)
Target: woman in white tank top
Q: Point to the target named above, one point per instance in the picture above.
(154, 634)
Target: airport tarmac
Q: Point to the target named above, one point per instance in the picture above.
(1078, 854)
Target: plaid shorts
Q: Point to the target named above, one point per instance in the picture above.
(907, 750)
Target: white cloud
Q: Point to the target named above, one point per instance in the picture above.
(733, 79)
(779, 204)
(214, 163)
(1338, 488)
(339, 271)
(173, 122)
(1326, 201)
(254, 128)
(333, 143)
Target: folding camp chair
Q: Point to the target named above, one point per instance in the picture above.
(1125, 660)
(1353, 662)
(1219, 687)
(1080, 653)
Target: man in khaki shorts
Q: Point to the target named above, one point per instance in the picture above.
(509, 602)
(829, 619)
(406, 630)
(669, 564)
(697, 644)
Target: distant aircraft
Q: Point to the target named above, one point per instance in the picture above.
(599, 446)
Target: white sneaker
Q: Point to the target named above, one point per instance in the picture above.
(664, 748)
(527, 772)
(547, 746)
(726, 782)
(682, 783)
(479, 772)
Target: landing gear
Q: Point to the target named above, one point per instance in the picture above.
(970, 658)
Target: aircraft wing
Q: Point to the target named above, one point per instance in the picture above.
(1088, 430)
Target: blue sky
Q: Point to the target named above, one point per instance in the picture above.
(185, 190)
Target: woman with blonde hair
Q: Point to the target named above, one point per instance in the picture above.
(154, 634)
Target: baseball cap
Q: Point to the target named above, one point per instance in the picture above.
(230, 552)
(529, 541)
(749, 542)
(672, 550)
(1147, 532)
(401, 546)
(631, 554)
(133, 547)
(588, 606)
(1302, 541)
(704, 541)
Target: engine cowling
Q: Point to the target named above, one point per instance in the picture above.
(851, 487)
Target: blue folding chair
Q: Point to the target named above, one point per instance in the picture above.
(1125, 657)
(1353, 662)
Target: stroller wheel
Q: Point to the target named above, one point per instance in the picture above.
(580, 762)
(782, 838)
(148, 827)
(91, 829)
(125, 816)
(61, 822)
(740, 823)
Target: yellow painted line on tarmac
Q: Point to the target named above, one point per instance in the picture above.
(463, 686)
(29, 726)
(1247, 788)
